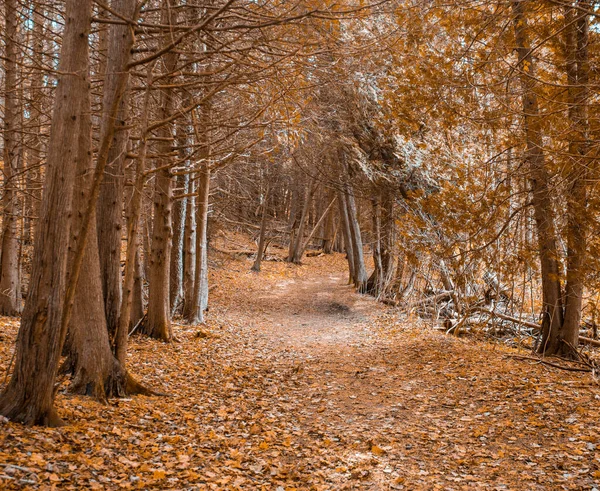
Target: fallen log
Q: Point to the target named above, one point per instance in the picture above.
(389, 301)
(440, 297)
(532, 325)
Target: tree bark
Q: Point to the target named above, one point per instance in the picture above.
(200, 295)
(189, 263)
(10, 285)
(360, 271)
(263, 231)
(158, 322)
(343, 208)
(33, 178)
(90, 360)
(29, 396)
(540, 187)
(576, 45)
(179, 220)
(110, 200)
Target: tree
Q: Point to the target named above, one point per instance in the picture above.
(10, 289)
(29, 396)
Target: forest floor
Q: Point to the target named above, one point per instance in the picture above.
(297, 382)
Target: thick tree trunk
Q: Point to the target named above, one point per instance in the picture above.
(158, 323)
(10, 287)
(29, 396)
(540, 187)
(90, 360)
(110, 200)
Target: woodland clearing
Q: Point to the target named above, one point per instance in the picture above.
(297, 382)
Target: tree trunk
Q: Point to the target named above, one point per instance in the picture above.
(158, 323)
(360, 271)
(110, 200)
(343, 207)
(374, 282)
(179, 220)
(293, 219)
(10, 287)
(90, 360)
(131, 311)
(189, 264)
(33, 178)
(576, 46)
(540, 187)
(200, 295)
(329, 229)
(296, 251)
(29, 396)
(263, 232)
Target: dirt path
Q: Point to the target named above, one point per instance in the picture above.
(298, 383)
(394, 407)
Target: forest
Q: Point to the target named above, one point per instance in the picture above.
(303, 244)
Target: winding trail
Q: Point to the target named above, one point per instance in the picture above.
(298, 383)
(394, 406)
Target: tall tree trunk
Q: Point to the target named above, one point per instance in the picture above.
(296, 251)
(200, 296)
(388, 237)
(179, 220)
(374, 282)
(10, 288)
(263, 231)
(132, 301)
(576, 45)
(158, 323)
(360, 271)
(90, 360)
(294, 197)
(343, 208)
(189, 259)
(329, 228)
(540, 187)
(110, 201)
(33, 178)
(29, 396)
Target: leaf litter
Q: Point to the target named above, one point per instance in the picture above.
(295, 382)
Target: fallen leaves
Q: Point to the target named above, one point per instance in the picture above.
(283, 392)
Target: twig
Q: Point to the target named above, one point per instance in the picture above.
(549, 363)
